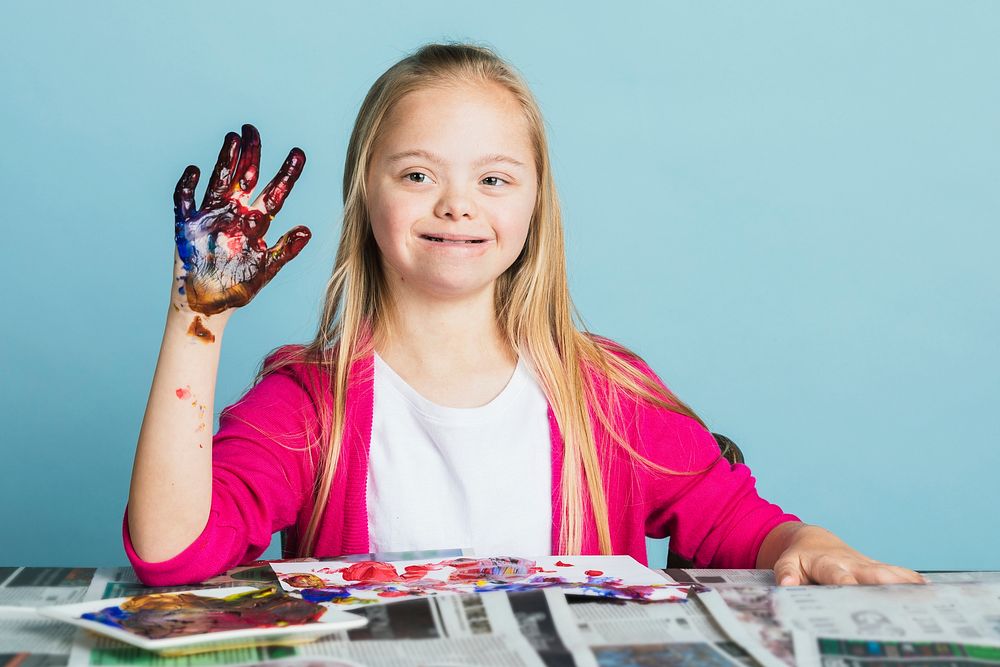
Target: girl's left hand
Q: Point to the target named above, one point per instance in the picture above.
(810, 554)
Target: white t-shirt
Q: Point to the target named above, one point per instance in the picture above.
(442, 477)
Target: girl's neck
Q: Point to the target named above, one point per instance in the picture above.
(426, 332)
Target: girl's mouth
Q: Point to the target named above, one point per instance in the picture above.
(441, 239)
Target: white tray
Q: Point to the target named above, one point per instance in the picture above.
(333, 620)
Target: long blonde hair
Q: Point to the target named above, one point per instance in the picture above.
(532, 304)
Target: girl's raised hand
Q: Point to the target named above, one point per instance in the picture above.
(222, 260)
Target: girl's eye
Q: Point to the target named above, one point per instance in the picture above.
(415, 173)
(494, 178)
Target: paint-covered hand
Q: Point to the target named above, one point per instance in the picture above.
(222, 260)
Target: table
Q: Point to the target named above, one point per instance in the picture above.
(741, 619)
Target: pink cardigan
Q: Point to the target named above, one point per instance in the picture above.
(262, 483)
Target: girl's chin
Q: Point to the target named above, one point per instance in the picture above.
(450, 289)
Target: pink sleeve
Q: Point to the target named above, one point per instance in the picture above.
(714, 518)
(258, 482)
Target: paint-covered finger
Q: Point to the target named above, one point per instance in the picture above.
(287, 247)
(272, 197)
(249, 164)
(254, 225)
(222, 175)
(184, 193)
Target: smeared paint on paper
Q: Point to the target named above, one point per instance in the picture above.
(166, 615)
(347, 584)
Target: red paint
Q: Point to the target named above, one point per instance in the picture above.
(416, 571)
(235, 245)
(370, 570)
(183, 393)
(594, 573)
(559, 563)
(394, 594)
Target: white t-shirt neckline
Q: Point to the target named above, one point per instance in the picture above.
(489, 412)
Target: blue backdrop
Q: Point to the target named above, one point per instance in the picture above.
(788, 208)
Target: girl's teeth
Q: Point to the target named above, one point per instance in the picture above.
(440, 240)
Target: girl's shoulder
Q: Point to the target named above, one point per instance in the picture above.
(288, 376)
(294, 356)
(620, 357)
(662, 427)
(624, 377)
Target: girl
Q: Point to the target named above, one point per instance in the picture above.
(448, 399)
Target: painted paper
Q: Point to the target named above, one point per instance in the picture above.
(168, 615)
(347, 584)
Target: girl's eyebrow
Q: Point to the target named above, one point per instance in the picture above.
(484, 160)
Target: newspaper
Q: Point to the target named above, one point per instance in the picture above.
(721, 577)
(643, 634)
(738, 622)
(37, 586)
(961, 577)
(533, 628)
(27, 639)
(752, 601)
(743, 606)
(766, 577)
(960, 613)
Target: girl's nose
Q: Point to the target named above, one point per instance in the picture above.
(455, 203)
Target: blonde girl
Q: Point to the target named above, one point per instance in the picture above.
(448, 398)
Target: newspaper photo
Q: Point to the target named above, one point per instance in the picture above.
(827, 652)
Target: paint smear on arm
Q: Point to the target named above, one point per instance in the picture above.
(200, 331)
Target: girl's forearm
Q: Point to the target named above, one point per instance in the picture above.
(777, 542)
(171, 489)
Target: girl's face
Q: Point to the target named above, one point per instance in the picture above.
(451, 189)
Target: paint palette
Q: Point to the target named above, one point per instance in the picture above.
(206, 620)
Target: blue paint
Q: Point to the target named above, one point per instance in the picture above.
(325, 594)
(112, 616)
(185, 249)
